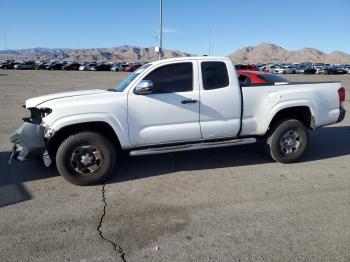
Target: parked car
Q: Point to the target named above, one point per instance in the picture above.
(319, 69)
(334, 71)
(9, 65)
(43, 65)
(39, 65)
(309, 70)
(101, 67)
(165, 107)
(246, 67)
(55, 66)
(71, 66)
(271, 68)
(299, 69)
(118, 67)
(87, 66)
(347, 68)
(132, 68)
(248, 77)
(284, 70)
(25, 65)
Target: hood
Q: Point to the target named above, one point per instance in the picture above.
(35, 101)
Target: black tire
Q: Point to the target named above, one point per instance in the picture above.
(286, 130)
(67, 151)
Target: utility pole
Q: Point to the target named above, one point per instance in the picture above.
(210, 42)
(5, 40)
(161, 30)
(5, 44)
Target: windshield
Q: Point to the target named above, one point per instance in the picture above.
(124, 84)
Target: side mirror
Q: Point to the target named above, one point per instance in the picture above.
(144, 87)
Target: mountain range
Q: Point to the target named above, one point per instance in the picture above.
(270, 53)
(121, 53)
(263, 53)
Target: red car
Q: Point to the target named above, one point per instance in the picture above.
(249, 77)
(246, 67)
(132, 68)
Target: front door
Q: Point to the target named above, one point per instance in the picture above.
(171, 112)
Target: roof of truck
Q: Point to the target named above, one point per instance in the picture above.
(191, 58)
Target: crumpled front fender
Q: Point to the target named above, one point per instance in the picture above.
(28, 141)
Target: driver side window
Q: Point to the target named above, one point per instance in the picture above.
(172, 78)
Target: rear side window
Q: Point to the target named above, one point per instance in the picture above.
(214, 75)
(244, 80)
(172, 78)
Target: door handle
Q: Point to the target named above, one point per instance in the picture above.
(188, 101)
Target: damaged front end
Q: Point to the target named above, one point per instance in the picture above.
(28, 141)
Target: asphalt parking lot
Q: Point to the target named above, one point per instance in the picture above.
(230, 204)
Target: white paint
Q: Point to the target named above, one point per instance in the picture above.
(162, 118)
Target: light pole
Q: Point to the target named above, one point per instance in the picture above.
(210, 42)
(161, 30)
(5, 45)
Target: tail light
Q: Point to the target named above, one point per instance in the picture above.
(341, 93)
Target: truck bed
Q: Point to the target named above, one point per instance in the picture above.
(262, 102)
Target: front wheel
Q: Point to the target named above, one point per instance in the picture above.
(86, 158)
(287, 141)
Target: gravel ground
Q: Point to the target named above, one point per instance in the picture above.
(229, 204)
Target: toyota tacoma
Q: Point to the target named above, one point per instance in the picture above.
(168, 106)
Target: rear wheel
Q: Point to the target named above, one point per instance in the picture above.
(86, 158)
(287, 141)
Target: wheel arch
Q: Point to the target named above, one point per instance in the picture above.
(302, 113)
(101, 127)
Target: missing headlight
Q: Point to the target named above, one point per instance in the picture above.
(37, 114)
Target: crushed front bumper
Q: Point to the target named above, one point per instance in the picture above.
(27, 142)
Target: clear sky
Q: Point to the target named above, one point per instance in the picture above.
(293, 24)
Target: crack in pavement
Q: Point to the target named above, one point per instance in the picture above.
(115, 246)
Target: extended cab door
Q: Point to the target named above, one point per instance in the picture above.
(220, 107)
(170, 113)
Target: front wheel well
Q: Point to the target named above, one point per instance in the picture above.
(100, 127)
(301, 113)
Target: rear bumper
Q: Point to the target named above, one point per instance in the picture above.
(341, 114)
(28, 142)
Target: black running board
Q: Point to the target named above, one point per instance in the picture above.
(194, 146)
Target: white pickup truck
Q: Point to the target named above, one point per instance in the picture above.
(172, 105)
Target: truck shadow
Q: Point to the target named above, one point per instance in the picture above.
(328, 142)
(325, 143)
(13, 176)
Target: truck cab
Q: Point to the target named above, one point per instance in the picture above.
(184, 100)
